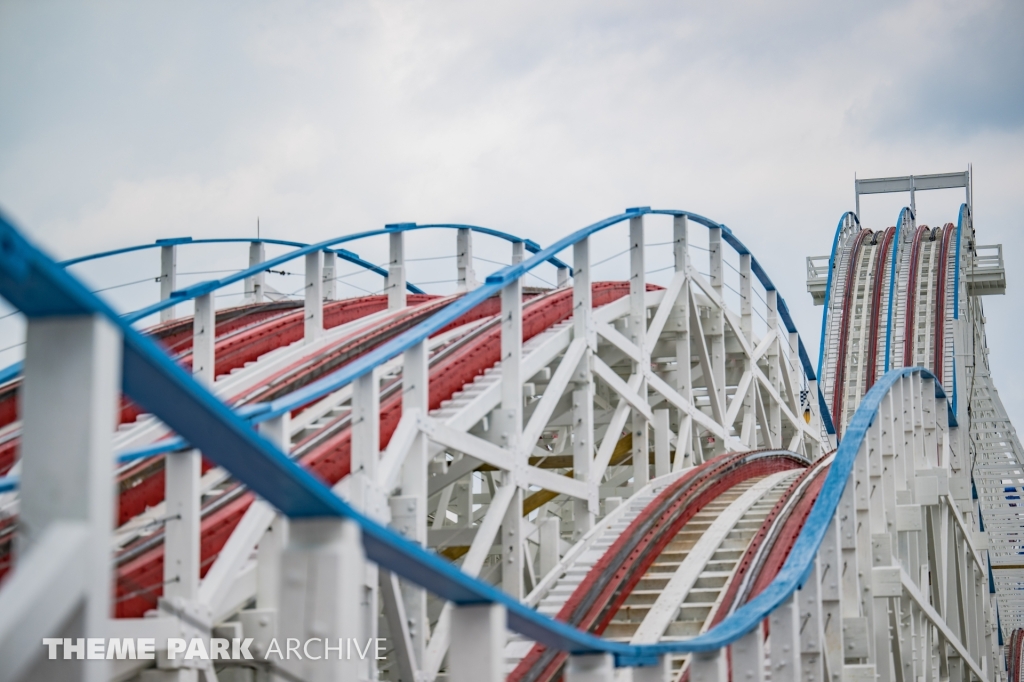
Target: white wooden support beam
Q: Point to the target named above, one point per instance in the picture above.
(314, 304)
(774, 371)
(182, 472)
(268, 572)
(747, 433)
(563, 278)
(321, 580)
(330, 276)
(685, 453)
(583, 443)
(550, 544)
(360, 487)
(812, 647)
(464, 259)
(710, 666)
(662, 438)
(204, 329)
(255, 286)
(168, 278)
(715, 329)
(409, 510)
(518, 252)
(590, 668)
(784, 640)
(72, 371)
(637, 334)
(477, 652)
(398, 624)
(748, 656)
(396, 271)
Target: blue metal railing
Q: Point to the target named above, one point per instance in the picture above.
(40, 288)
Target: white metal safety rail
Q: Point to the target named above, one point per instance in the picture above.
(891, 582)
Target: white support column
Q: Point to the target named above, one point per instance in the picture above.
(810, 627)
(748, 415)
(508, 422)
(590, 668)
(563, 278)
(204, 330)
(715, 328)
(477, 652)
(711, 666)
(748, 656)
(662, 436)
(784, 640)
(314, 305)
(464, 259)
(72, 372)
(321, 580)
(584, 511)
(182, 471)
(254, 286)
(409, 509)
(360, 488)
(637, 333)
(550, 544)
(774, 371)
(518, 252)
(680, 321)
(168, 278)
(396, 271)
(330, 276)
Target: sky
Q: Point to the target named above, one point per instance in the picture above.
(123, 122)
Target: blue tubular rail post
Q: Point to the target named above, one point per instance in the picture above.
(40, 288)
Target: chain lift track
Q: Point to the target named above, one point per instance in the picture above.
(639, 472)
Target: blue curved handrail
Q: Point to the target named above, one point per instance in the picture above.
(39, 288)
(342, 253)
(828, 289)
(209, 286)
(905, 211)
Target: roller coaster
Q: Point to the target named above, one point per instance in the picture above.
(634, 472)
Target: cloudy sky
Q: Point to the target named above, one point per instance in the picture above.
(124, 122)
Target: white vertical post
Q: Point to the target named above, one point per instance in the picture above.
(550, 544)
(784, 640)
(563, 278)
(361, 492)
(72, 372)
(748, 656)
(590, 668)
(330, 276)
(583, 391)
(314, 305)
(477, 651)
(168, 278)
(182, 471)
(747, 433)
(464, 259)
(715, 328)
(810, 627)
(637, 332)
(518, 252)
(396, 271)
(774, 371)
(204, 330)
(408, 511)
(662, 435)
(681, 320)
(321, 580)
(270, 549)
(509, 424)
(254, 286)
(711, 666)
